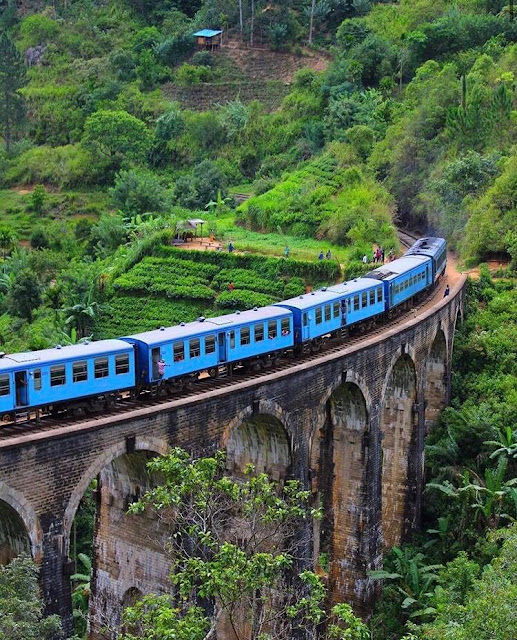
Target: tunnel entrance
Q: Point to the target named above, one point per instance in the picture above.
(14, 537)
(262, 441)
(436, 380)
(398, 419)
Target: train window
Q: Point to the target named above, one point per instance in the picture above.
(337, 310)
(80, 371)
(328, 313)
(101, 367)
(232, 339)
(259, 332)
(379, 294)
(57, 375)
(305, 319)
(194, 348)
(356, 302)
(209, 344)
(410, 281)
(319, 315)
(272, 329)
(122, 364)
(37, 379)
(5, 385)
(178, 350)
(364, 299)
(372, 296)
(245, 336)
(349, 305)
(286, 326)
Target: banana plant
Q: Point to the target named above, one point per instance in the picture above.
(413, 579)
(81, 593)
(506, 445)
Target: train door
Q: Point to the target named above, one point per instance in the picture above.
(305, 326)
(155, 357)
(343, 313)
(22, 396)
(221, 339)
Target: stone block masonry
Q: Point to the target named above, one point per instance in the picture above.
(349, 425)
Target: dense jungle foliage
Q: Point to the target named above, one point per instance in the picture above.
(383, 112)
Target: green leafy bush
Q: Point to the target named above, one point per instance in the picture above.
(242, 299)
(189, 74)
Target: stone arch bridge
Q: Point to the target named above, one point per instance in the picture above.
(350, 425)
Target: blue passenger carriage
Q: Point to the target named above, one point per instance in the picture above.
(434, 248)
(403, 278)
(51, 377)
(324, 312)
(315, 314)
(187, 349)
(361, 299)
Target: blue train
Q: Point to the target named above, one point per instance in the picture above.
(93, 375)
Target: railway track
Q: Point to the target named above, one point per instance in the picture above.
(127, 405)
(204, 384)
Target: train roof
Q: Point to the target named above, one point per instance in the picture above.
(426, 246)
(308, 300)
(353, 286)
(392, 270)
(62, 354)
(208, 325)
(328, 294)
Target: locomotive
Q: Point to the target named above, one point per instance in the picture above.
(94, 375)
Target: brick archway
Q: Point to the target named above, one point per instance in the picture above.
(398, 421)
(20, 527)
(153, 445)
(436, 375)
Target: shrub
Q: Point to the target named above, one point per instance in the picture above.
(189, 74)
(295, 287)
(242, 299)
(61, 166)
(138, 191)
(38, 29)
(203, 59)
(38, 198)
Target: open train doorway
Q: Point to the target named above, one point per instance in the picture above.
(22, 396)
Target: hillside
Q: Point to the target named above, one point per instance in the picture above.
(334, 121)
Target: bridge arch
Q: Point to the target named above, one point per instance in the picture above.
(398, 421)
(154, 445)
(20, 528)
(259, 435)
(436, 374)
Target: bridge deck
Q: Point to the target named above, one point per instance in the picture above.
(23, 433)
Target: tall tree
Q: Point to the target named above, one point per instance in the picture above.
(233, 548)
(21, 610)
(12, 78)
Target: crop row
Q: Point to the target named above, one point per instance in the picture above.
(128, 314)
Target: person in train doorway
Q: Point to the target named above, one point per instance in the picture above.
(161, 367)
(447, 291)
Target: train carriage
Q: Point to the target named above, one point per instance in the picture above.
(434, 248)
(403, 278)
(315, 314)
(361, 299)
(50, 377)
(203, 345)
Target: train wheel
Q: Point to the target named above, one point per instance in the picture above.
(316, 347)
(213, 372)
